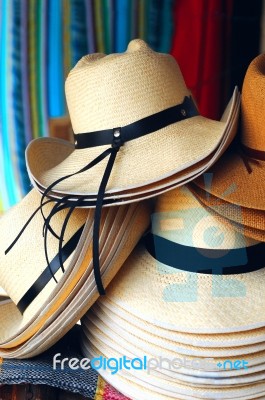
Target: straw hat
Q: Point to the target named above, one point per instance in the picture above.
(177, 300)
(157, 291)
(105, 93)
(35, 299)
(239, 176)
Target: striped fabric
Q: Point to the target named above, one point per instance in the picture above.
(40, 371)
(40, 41)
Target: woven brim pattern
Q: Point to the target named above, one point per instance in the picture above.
(231, 214)
(18, 329)
(248, 217)
(231, 181)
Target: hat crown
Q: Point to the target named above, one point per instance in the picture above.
(253, 105)
(108, 91)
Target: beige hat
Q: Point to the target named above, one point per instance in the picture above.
(167, 292)
(34, 296)
(239, 176)
(138, 103)
(158, 291)
(144, 192)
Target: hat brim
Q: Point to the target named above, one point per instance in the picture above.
(231, 181)
(253, 233)
(140, 162)
(18, 328)
(249, 217)
(149, 340)
(203, 313)
(126, 344)
(122, 317)
(93, 346)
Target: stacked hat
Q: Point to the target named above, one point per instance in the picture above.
(234, 187)
(186, 311)
(49, 288)
(137, 131)
(128, 111)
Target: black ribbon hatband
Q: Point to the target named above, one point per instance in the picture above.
(137, 129)
(115, 137)
(205, 261)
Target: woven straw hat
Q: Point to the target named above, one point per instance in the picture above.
(145, 192)
(174, 299)
(31, 309)
(111, 92)
(238, 177)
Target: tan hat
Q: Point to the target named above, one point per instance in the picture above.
(34, 295)
(248, 221)
(138, 103)
(239, 176)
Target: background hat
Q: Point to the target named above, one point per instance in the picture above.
(248, 221)
(159, 307)
(26, 320)
(214, 304)
(238, 177)
(108, 92)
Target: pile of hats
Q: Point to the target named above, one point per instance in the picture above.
(180, 297)
(187, 308)
(234, 187)
(137, 135)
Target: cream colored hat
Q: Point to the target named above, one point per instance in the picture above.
(134, 108)
(238, 177)
(35, 298)
(160, 285)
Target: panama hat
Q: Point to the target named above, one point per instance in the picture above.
(62, 319)
(175, 297)
(193, 276)
(145, 192)
(138, 103)
(238, 177)
(34, 296)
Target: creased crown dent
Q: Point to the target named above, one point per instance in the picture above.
(105, 91)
